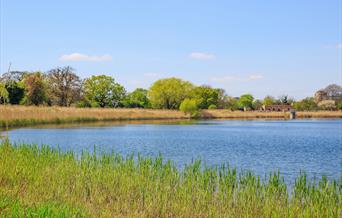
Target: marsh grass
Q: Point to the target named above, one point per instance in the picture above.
(41, 180)
(16, 116)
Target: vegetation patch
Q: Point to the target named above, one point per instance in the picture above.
(42, 181)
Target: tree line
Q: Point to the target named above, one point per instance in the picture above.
(63, 87)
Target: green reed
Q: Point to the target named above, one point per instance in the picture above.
(46, 182)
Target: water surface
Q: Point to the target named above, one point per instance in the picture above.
(314, 146)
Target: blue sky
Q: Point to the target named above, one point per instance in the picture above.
(260, 47)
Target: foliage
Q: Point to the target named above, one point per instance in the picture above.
(103, 91)
(137, 99)
(327, 105)
(339, 105)
(230, 103)
(3, 94)
(257, 105)
(284, 99)
(169, 93)
(246, 101)
(14, 86)
(35, 89)
(109, 185)
(212, 107)
(189, 106)
(269, 100)
(205, 96)
(333, 90)
(307, 104)
(65, 86)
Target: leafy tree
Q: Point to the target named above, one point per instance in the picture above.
(257, 105)
(103, 91)
(333, 90)
(169, 93)
(246, 101)
(205, 96)
(65, 86)
(189, 106)
(35, 89)
(269, 100)
(137, 98)
(307, 104)
(14, 86)
(229, 102)
(3, 94)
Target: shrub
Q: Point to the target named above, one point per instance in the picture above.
(189, 106)
(212, 106)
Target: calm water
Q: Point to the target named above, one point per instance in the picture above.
(314, 146)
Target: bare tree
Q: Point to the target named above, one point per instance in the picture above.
(65, 86)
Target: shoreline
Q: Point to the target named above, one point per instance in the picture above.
(21, 116)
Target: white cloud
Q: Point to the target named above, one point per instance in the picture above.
(255, 77)
(202, 56)
(136, 82)
(225, 79)
(339, 45)
(84, 57)
(151, 74)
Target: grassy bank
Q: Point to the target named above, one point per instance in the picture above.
(37, 181)
(14, 116)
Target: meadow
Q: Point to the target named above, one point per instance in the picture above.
(42, 181)
(16, 116)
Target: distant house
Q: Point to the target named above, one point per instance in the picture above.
(277, 107)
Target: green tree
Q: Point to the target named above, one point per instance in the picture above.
(257, 105)
(35, 88)
(169, 93)
(3, 94)
(65, 86)
(229, 102)
(246, 101)
(14, 86)
(103, 91)
(138, 98)
(189, 106)
(307, 104)
(205, 96)
(269, 100)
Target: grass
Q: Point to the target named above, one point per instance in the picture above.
(39, 181)
(16, 116)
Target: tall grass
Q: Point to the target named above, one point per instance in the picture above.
(14, 116)
(41, 180)
(32, 115)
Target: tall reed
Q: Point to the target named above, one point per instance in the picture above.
(38, 180)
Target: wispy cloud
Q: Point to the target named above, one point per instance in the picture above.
(135, 82)
(151, 74)
(339, 45)
(225, 79)
(202, 56)
(255, 77)
(84, 57)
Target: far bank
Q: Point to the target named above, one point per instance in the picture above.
(15, 116)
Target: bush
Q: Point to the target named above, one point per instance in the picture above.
(212, 106)
(189, 106)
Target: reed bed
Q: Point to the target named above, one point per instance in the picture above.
(39, 181)
(12, 116)
(15, 116)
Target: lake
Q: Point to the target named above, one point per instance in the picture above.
(314, 146)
